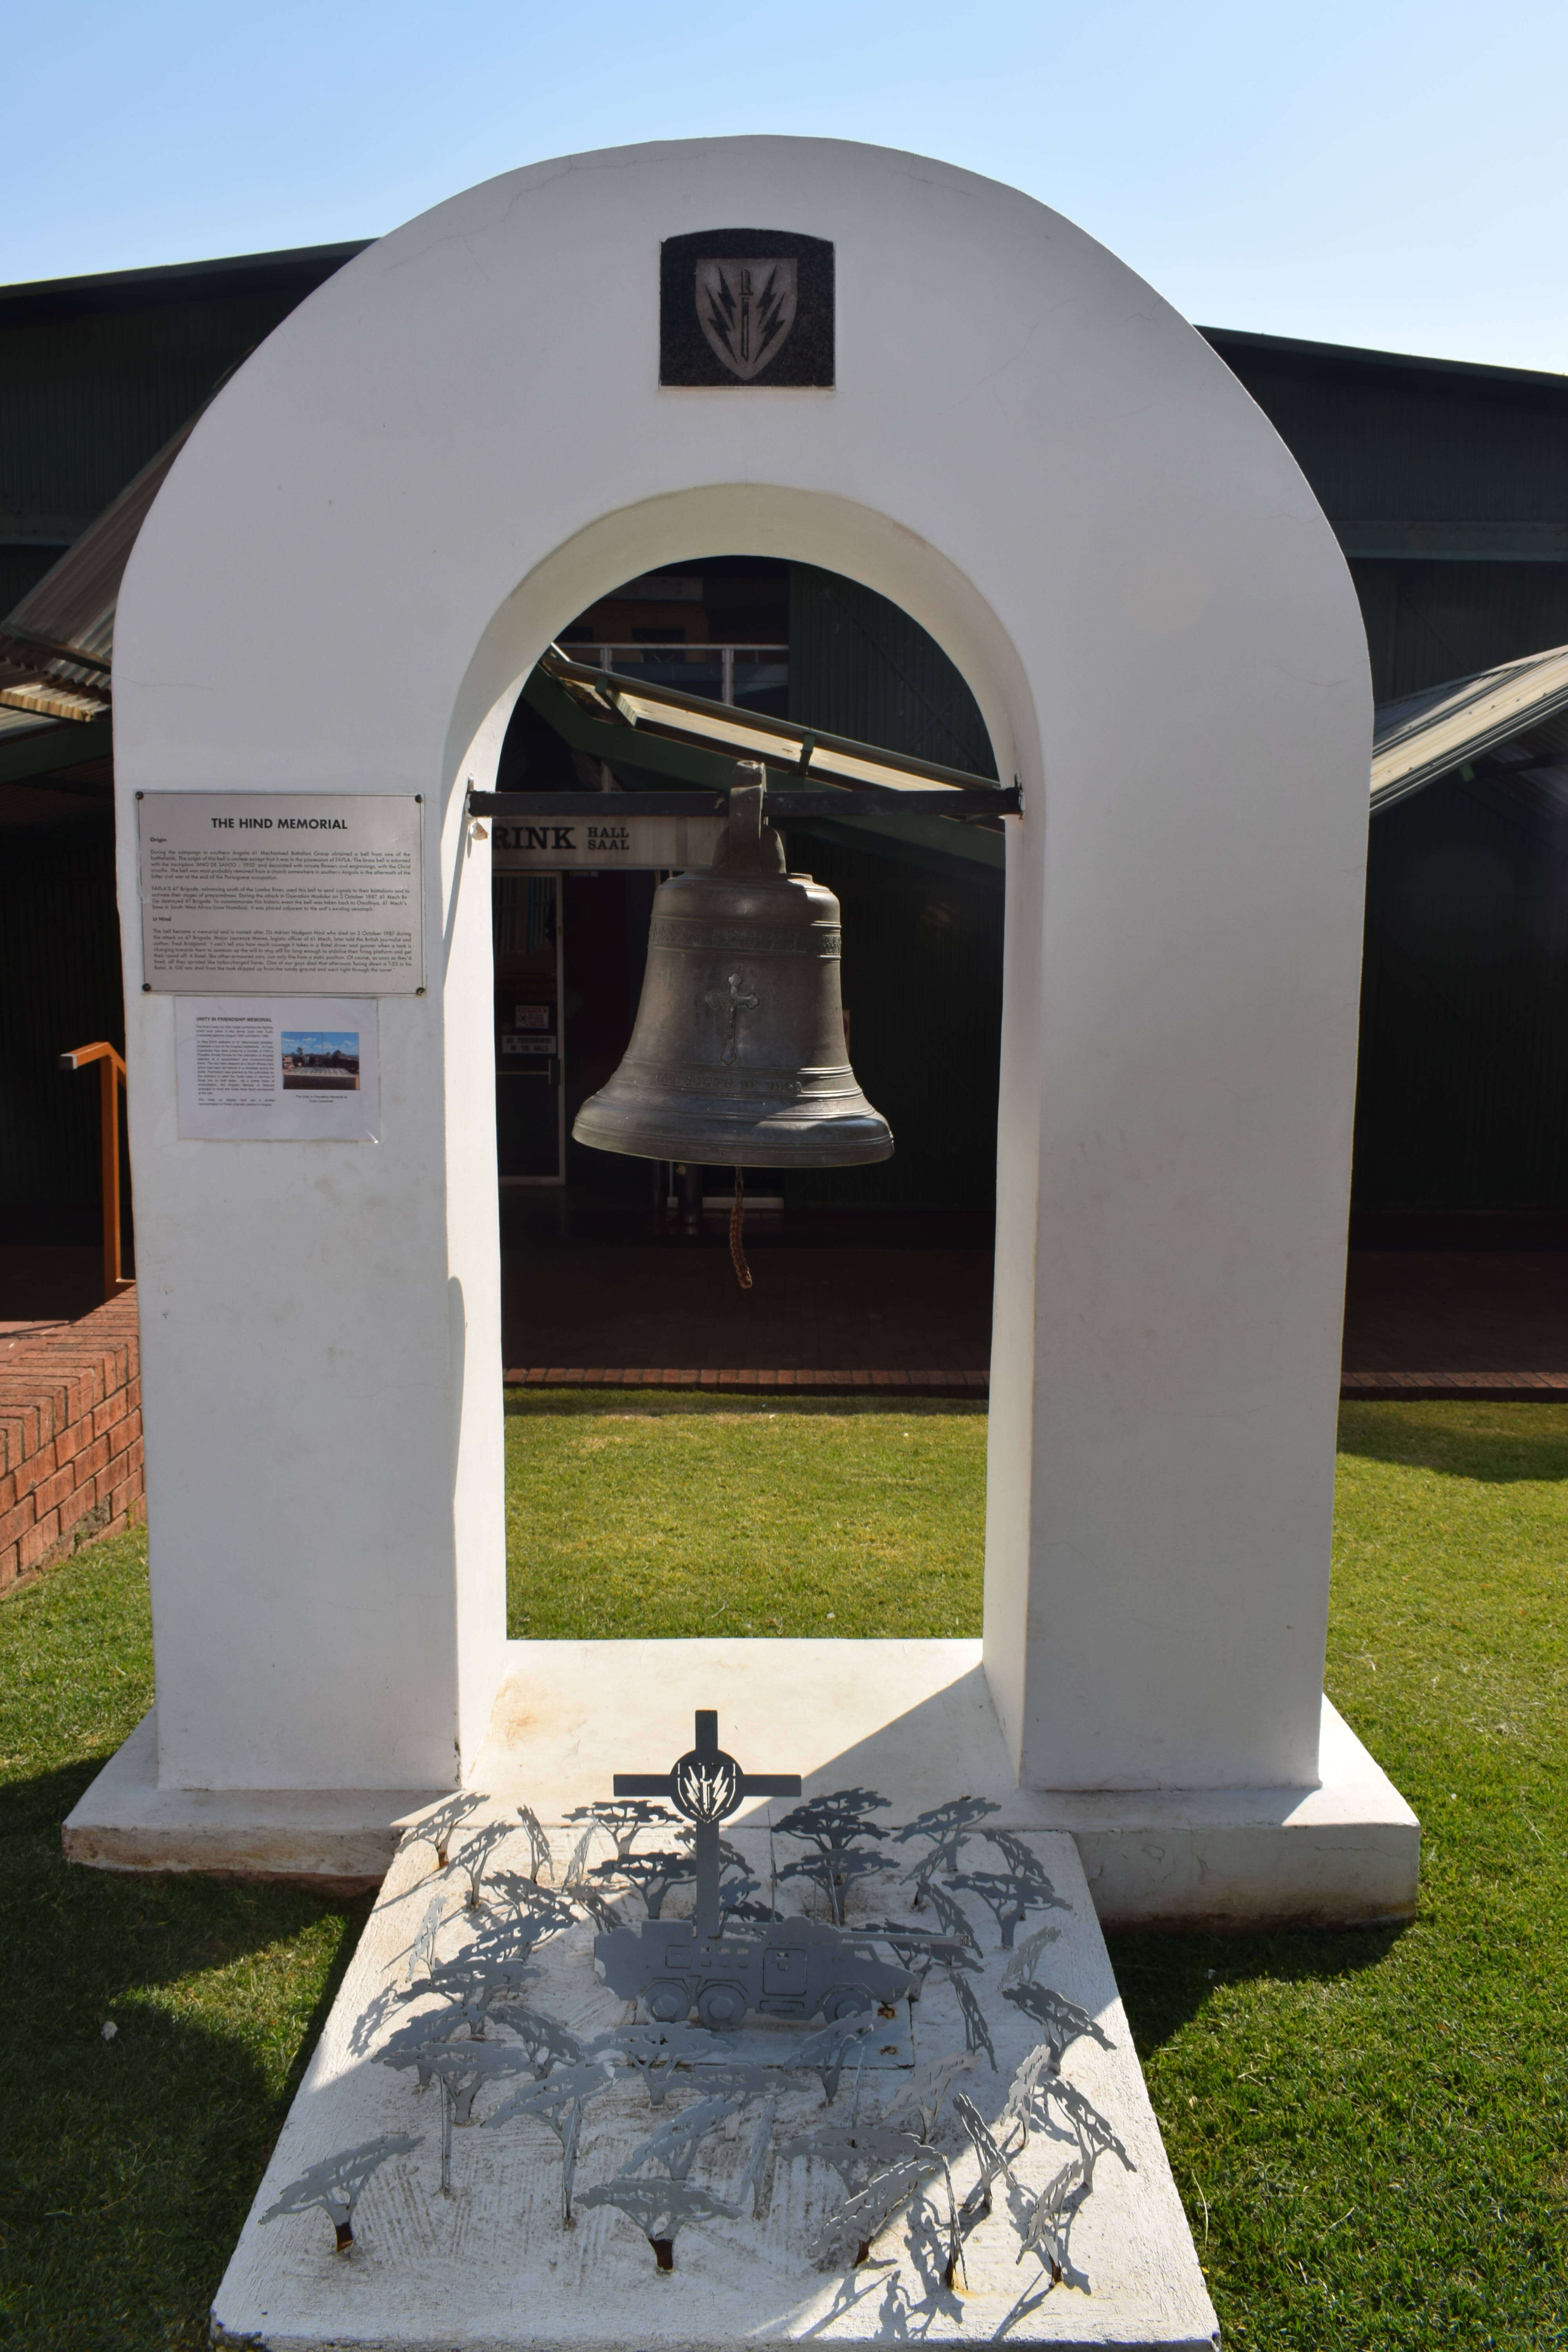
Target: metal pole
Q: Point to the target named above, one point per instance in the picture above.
(706, 1842)
(109, 1155)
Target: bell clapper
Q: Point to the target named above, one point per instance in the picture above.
(737, 1250)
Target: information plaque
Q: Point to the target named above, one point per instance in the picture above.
(281, 894)
(289, 1069)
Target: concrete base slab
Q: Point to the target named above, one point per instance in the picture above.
(124, 1820)
(916, 1716)
(488, 2264)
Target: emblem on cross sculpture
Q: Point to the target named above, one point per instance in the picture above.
(706, 1786)
(732, 1000)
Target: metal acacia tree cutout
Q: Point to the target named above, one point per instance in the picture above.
(1061, 2022)
(518, 1900)
(662, 2205)
(1050, 2225)
(1010, 1896)
(337, 2182)
(653, 1874)
(623, 1819)
(947, 1827)
(826, 2051)
(546, 2043)
(538, 1843)
(881, 2168)
(654, 2051)
(435, 1828)
(558, 2102)
(993, 2163)
(836, 1826)
(1028, 1955)
(460, 2066)
(474, 1856)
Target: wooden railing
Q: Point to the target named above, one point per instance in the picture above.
(110, 1084)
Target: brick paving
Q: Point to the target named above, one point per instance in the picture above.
(1477, 1323)
(830, 1321)
(673, 1315)
(43, 1287)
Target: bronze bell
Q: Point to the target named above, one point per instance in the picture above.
(737, 1057)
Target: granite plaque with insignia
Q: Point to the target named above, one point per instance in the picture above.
(745, 305)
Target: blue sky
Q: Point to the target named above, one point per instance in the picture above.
(1388, 174)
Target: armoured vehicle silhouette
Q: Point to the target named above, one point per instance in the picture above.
(790, 1967)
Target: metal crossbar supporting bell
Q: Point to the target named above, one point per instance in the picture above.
(738, 1058)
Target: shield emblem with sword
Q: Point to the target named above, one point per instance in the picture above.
(746, 310)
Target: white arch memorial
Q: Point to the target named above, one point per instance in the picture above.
(450, 449)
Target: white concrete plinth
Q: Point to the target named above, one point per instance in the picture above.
(126, 1822)
(490, 2266)
(915, 1717)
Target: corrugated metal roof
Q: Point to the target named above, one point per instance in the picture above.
(120, 289)
(71, 610)
(57, 644)
(1425, 736)
(15, 725)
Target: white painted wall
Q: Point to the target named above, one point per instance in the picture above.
(448, 450)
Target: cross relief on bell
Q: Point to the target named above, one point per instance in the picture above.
(739, 1060)
(729, 1000)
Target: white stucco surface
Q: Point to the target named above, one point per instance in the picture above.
(449, 449)
(490, 2267)
(912, 1715)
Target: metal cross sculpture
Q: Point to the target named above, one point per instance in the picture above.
(733, 1000)
(706, 1786)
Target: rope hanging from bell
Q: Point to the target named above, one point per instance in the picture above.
(737, 1252)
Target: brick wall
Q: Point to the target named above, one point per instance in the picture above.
(71, 1439)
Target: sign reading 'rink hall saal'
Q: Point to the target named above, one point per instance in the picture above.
(602, 842)
(281, 894)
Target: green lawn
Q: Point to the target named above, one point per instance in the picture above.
(691, 1515)
(127, 2166)
(1369, 2129)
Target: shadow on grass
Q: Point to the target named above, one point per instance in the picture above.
(1167, 1979)
(128, 2165)
(1497, 1443)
